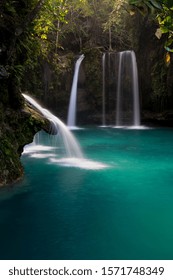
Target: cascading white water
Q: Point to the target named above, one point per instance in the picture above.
(118, 105)
(71, 145)
(127, 96)
(136, 115)
(103, 91)
(74, 156)
(71, 120)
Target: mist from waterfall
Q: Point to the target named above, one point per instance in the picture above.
(71, 119)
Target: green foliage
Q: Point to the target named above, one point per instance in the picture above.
(17, 43)
(163, 12)
(93, 77)
(165, 19)
(92, 23)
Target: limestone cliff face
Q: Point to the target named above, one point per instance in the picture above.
(17, 128)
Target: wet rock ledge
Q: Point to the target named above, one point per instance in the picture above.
(17, 128)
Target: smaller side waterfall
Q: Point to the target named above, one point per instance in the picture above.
(71, 145)
(127, 96)
(103, 91)
(118, 104)
(71, 120)
(136, 115)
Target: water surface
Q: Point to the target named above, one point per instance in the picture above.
(122, 210)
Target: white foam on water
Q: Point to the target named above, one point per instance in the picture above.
(104, 126)
(75, 128)
(81, 163)
(29, 149)
(119, 126)
(140, 127)
(43, 155)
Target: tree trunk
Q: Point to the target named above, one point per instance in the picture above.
(57, 36)
(110, 38)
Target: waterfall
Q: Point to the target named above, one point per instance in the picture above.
(71, 120)
(127, 96)
(118, 105)
(71, 145)
(103, 91)
(136, 115)
(74, 156)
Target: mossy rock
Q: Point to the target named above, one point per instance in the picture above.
(17, 129)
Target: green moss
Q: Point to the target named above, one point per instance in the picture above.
(17, 130)
(159, 95)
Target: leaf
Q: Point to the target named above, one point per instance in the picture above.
(168, 49)
(44, 36)
(167, 58)
(150, 5)
(156, 4)
(164, 29)
(169, 42)
(158, 33)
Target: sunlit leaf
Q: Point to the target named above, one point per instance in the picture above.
(44, 36)
(167, 59)
(158, 33)
(164, 29)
